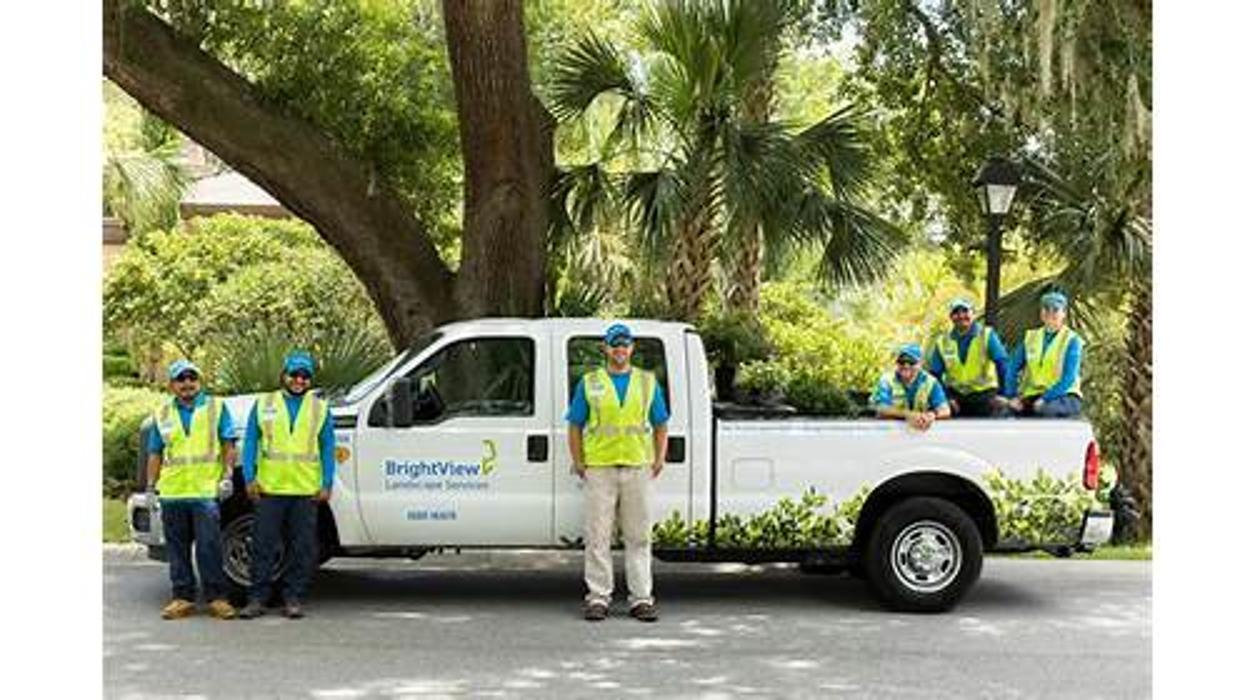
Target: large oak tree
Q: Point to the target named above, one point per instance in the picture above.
(506, 142)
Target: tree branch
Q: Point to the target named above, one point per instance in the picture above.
(371, 228)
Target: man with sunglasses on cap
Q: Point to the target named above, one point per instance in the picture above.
(909, 393)
(289, 467)
(1050, 361)
(191, 451)
(618, 438)
(969, 360)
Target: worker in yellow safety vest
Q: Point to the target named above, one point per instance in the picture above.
(970, 361)
(909, 393)
(191, 453)
(1050, 361)
(289, 469)
(617, 437)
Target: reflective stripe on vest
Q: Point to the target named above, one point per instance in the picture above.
(288, 462)
(189, 458)
(898, 396)
(977, 372)
(1043, 367)
(618, 434)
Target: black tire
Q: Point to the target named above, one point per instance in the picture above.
(237, 538)
(923, 555)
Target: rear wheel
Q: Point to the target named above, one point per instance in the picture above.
(923, 555)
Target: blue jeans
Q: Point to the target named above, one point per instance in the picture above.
(294, 521)
(182, 521)
(1066, 406)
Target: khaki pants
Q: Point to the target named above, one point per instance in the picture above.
(621, 491)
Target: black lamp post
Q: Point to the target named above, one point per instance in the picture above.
(995, 188)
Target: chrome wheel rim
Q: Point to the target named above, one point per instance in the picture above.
(237, 560)
(926, 556)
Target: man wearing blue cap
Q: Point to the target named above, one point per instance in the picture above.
(969, 360)
(1050, 360)
(909, 393)
(191, 451)
(618, 438)
(289, 467)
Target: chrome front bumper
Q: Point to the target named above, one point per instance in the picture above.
(145, 524)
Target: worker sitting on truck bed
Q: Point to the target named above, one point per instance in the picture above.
(289, 467)
(614, 410)
(910, 393)
(191, 452)
(969, 360)
(1050, 359)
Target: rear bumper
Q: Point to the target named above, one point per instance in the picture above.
(1096, 529)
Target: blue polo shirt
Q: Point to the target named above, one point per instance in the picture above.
(994, 350)
(577, 413)
(226, 426)
(326, 442)
(884, 392)
(1071, 368)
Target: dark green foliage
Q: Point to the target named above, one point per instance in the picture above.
(1041, 510)
(252, 363)
(124, 410)
(790, 524)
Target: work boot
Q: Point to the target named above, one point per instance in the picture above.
(645, 612)
(221, 609)
(595, 611)
(292, 610)
(178, 608)
(252, 610)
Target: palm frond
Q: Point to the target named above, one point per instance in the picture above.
(839, 142)
(861, 246)
(655, 200)
(588, 69)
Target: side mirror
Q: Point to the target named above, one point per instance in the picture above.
(401, 403)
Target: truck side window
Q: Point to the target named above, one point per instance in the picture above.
(476, 377)
(584, 355)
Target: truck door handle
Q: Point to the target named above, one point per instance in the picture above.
(537, 448)
(675, 449)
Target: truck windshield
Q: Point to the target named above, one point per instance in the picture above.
(364, 387)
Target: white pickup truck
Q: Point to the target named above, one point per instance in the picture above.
(460, 442)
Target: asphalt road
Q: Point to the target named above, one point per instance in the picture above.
(508, 625)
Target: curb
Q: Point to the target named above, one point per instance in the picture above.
(129, 551)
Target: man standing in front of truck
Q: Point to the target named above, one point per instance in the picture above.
(289, 467)
(618, 438)
(191, 452)
(1050, 358)
(969, 360)
(909, 393)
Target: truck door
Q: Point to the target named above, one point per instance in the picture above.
(476, 466)
(576, 353)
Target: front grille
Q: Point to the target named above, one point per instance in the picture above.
(140, 520)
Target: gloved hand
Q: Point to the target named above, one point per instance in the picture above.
(225, 489)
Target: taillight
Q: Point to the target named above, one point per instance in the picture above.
(1090, 478)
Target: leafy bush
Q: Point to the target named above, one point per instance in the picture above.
(789, 524)
(1043, 509)
(125, 409)
(252, 364)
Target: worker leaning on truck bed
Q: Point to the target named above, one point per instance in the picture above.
(289, 467)
(613, 412)
(190, 453)
(969, 359)
(1050, 359)
(909, 392)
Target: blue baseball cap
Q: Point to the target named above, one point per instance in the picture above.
(180, 366)
(911, 351)
(298, 360)
(617, 331)
(960, 303)
(1054, 300)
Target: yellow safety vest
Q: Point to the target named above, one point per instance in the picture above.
(288, 463)
(978, 372)
(189, 459)
(614, 434)
(898, 397)
(1043, 366)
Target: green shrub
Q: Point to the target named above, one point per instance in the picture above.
(344, 355)
(125, 409)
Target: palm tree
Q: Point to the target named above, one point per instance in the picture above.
(701, 176)
(143, 178)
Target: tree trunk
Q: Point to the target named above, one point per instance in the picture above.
(375, 232)
(507, 146)
(1135, 453)
(693, 252)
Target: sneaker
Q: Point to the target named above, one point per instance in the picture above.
(293, 611)
(221, 609)
(178, 608)
(645, 612)
(252, 610)
(595, 612)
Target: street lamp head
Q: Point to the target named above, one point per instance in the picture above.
(995, 186)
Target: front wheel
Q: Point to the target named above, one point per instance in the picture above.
(237, 555)
(923, 555)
